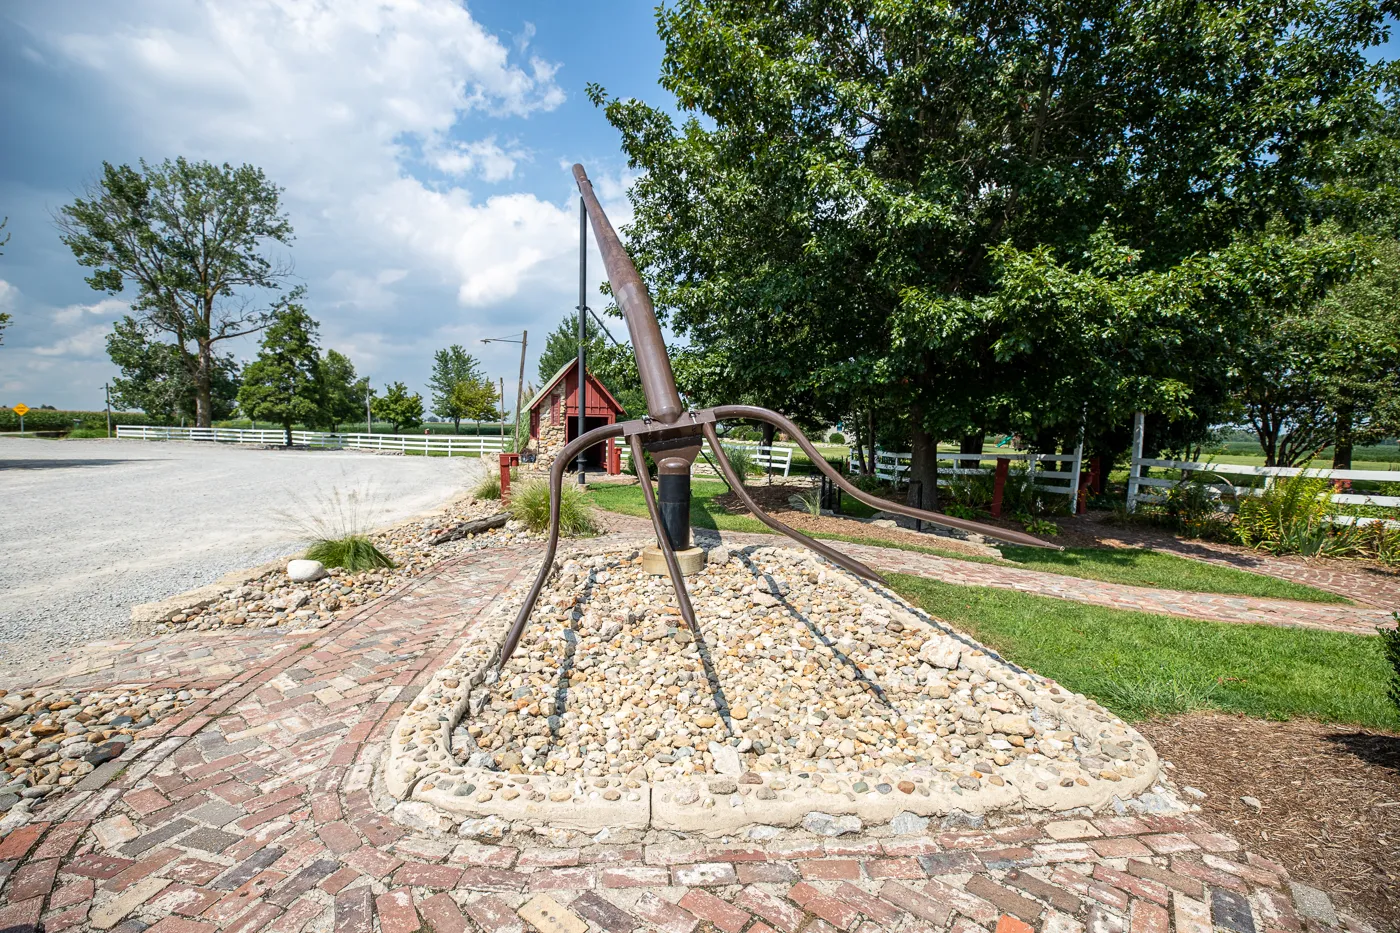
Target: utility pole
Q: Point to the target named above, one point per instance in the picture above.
(501, 381)
(524, 342)
(582, 328)
(107, 394)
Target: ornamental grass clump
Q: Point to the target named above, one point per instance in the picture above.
(529, 505)
(353, 553)
(489, 487)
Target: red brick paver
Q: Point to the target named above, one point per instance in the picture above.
(253, 811)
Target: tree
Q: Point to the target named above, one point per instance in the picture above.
(452, 367)
(399, 408)
(613, 364)
(475, 399)
(155, 375)
(191, 238)
(342, 394)
(973, 216)
(283, 383)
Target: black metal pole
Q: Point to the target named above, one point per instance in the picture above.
(582, 328)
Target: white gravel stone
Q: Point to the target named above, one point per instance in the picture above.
(305, 571)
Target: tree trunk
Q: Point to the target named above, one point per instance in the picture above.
(287, 431)
(457, 425)
(923, 466)
(1342, 445)
(870, 437)
(973, 443)
(861, 463)
(203, 395)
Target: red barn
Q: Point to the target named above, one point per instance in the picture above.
(554, 420)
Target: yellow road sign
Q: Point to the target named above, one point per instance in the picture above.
(21, 409)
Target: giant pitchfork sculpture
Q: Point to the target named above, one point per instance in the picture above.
(673, 434)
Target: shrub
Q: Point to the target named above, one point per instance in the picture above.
(1390, 644)
(812, 502)
(1288, 517)
(489, 487)
(958, 510)
(836, 437)
(352, 552)
(742, 459)
(870, 483)
(971, 491)
(1042, 526)
(529, 505)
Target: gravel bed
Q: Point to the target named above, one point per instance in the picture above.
(50, 739)
(793, 671)
(93, 527)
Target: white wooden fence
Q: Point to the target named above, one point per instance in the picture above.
(437, 444)
(893, 466)
(778, 457)
(1224, 488)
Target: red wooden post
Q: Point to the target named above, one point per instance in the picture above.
(999, 486)
(507, 461)
(616, 457)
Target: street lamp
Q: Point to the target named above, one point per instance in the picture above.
(520, 383)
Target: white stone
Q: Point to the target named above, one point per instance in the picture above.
(422, 816)
(941, 652)
(486, 829)
(304, 571)
(726, 759)
(908, 824)
(824, 824)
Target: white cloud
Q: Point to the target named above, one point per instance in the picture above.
(87, 343)
(9, 295)
(482, 157)
(106, 308)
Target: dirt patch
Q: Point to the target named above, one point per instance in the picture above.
(774, 500)
(1330, 799)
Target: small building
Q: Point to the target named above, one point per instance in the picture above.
(554, 420)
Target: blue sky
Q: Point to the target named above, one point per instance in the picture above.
(424, 147)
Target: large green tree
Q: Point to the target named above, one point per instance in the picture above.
(283, 384)
(191, 239)
(155, 375)
(342, 393)
(612, 363)
(452, 367)
(981, 214)
(399, 407)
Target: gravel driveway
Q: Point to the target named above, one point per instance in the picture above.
(90, 527)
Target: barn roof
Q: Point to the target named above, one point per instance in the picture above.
(564, 371)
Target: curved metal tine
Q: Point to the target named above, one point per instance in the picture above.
(556, 481)
(937, 518)
(673, 566)
(737, 484)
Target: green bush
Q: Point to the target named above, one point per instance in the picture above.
(870, 483)
(1390, 645)
(529, 504)
(49, 419)
(1289, 516)
(489, 487)
(352, 552)
(836, 437)
(741, 459)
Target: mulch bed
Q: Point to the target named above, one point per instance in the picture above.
(1330, 795)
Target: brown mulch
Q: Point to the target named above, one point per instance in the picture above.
(1330, 795)
(774, 500)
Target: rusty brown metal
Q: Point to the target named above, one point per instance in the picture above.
(938, 518)
(653, 364)
(556, 483)
(736, 483)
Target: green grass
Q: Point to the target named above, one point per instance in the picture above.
(1132, 567)
(352, 552)
(1140, 665)
(1137, 567)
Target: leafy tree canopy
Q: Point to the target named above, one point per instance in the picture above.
(613, 364)
(191, 239)
(155, 375)
(986, 215)
(398, 407)
(452, 368)
(283, 383)
(342, 393)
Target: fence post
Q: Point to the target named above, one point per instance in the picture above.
(1077, 501)
(999, 485)
(1135, 464)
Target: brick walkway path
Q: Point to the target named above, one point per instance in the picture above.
(253, 810)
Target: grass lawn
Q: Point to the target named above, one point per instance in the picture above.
(1141, 665)
(1137, 568)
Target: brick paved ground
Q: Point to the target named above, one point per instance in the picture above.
(252, 810)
